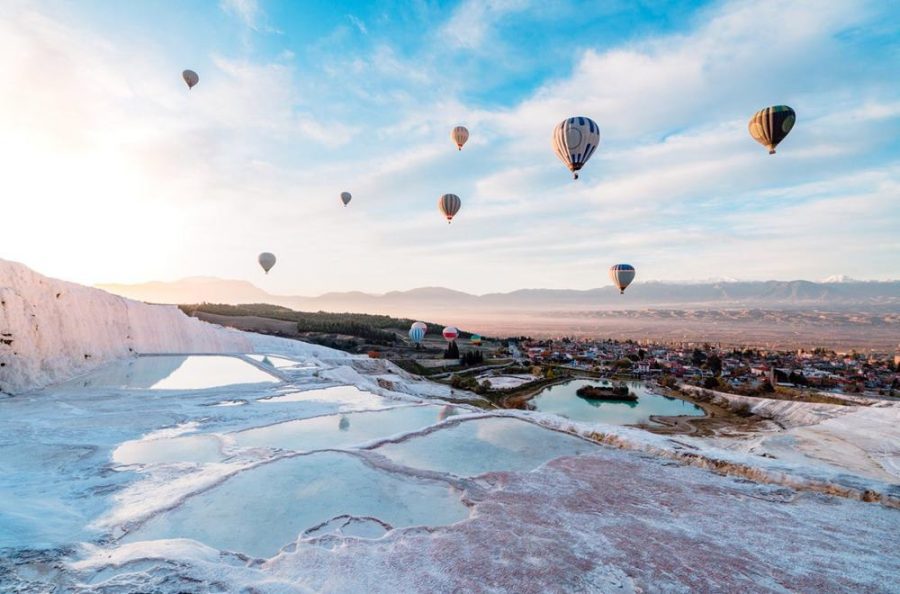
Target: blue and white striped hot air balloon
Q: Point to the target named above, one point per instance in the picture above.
(575, 140)
(416, 334)
(621, 275)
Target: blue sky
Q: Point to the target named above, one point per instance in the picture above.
(115, 172)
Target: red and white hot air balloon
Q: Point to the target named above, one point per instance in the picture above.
(460, 135)
(450, 333)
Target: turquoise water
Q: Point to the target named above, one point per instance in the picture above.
(340, 431)
(483, 445)
(258, 511)
(562, 400)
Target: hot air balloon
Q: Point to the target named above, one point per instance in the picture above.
(575, 140)
(621, 275)
(267, 261)
(346, 197)
(191, 78)
(449, 205)
(769, 126)
(416, 334)
(459, 135)
(475, 340)
(450, 333)
(421, 325)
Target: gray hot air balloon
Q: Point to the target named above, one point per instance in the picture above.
(190, 77)
(346, 197)
(449, 205)
(621, 276)
(267, 261)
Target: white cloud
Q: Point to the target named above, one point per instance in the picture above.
(247, 11)
(472, 23)
(358, 23)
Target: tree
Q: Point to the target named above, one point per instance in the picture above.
(641, 354)
(452, 351)
(714, 364)
(698, 357)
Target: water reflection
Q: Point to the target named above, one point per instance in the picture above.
(562, 400)
(339, 431)
(168, 372)
(482, 445)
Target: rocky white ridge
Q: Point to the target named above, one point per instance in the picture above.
(52, 330)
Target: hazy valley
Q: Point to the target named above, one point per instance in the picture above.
(846, 314)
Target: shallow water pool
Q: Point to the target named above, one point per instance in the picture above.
(483, 445)
(259, 511)
(169, 372)
(562, 400)
(276, 362)
(347, 398)
(342, 430)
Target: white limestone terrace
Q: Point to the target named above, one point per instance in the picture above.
(52, 330)
(273, 466)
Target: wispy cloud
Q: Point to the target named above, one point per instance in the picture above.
(473, 21)
(247, 11)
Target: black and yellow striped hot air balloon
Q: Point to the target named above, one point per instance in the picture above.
(769, 126)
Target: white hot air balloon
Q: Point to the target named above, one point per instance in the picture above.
(575, 140)
(346, 197)
(621, 276)
(421, 325)
(450, 333)
(460, 135)
(267, 261)
(191, 78)
(449, 205)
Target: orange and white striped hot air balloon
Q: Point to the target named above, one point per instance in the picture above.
(459, 134)
(449, 205)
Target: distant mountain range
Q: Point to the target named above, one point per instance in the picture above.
(841, 293)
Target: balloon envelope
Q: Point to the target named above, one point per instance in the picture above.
(475, 340)
(346, 197)
(450, 333)
(416, 334)
(621, 275)
(769, 126)
(267, 261)
(449, 205)
(459, 135)
(190, 77)
(421, 325)
(575, 140)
